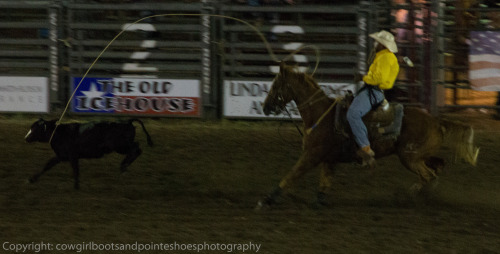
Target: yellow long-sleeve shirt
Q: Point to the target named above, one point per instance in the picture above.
(383, 71)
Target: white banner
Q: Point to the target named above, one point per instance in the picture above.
(24, 94)
(244, 99)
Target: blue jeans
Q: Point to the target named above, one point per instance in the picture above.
(360, 106)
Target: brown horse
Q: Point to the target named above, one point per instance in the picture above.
(326, 142)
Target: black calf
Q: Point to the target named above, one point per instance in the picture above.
(75, 141)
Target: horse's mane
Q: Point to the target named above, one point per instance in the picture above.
(306, 77)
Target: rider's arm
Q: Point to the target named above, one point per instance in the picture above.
(383, 71)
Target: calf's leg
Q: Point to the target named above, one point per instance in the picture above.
(76, 173)
(51, 163)
(132, 154)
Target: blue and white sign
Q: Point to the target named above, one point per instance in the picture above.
(136, 96)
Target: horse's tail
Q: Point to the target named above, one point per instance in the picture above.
(150, 141)
(461, 137)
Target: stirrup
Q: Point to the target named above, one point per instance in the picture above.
(368, 158)
(370, 163)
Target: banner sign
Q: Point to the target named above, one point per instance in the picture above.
(484, 60)
(136, 96)
(244, 99)
(24, 94)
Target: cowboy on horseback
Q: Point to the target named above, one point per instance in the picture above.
(381, 76)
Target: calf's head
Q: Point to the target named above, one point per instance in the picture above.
(38, 132)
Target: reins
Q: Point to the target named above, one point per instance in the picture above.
(296, 126)
(309, 102)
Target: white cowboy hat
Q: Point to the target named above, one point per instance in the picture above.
(387, 39)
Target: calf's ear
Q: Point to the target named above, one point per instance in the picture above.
(40, 122)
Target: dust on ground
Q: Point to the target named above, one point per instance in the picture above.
(201, 181)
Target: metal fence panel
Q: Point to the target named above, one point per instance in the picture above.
(24, 33)
(166, 45)
(28, 47)
(332, 29)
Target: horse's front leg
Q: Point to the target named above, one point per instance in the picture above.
(305, 163)
(325, 183)
(51, 163)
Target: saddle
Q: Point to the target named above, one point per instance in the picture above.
(383, 123)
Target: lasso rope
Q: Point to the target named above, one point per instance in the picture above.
(262, 37)
(308, 131)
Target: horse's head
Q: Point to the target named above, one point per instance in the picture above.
(280, 93)
(37, 132)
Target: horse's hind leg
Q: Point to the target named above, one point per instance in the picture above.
(435, 163)
(425, 173)
(132, 153)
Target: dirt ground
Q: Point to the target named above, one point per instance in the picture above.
(200, 183)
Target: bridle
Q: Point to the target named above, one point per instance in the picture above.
(279, 95)
(309, 102)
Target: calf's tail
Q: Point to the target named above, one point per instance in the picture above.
(150, 141)
(462, 138)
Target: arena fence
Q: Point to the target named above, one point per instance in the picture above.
(201, 59)
(460, 21)
(30, 55)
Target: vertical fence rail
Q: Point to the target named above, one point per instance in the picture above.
(207, 61)
(54, 13)
(364, 52)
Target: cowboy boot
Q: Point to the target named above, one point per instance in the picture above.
(367, 155)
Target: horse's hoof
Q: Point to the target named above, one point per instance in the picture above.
(321, 201)
(264, 204)
(320, 204)
(369, 163)
(261, 206)
(415, 189)
(123, 169)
